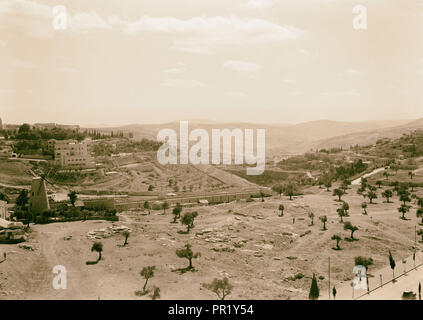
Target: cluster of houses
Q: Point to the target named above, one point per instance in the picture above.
(69, 154)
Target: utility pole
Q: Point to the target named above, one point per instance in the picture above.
(415, 245)
(329, 279)
(367, 284)
(352, 286)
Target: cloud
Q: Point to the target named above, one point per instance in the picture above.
(26, 7)
(69, 70)
(22, 64)
(179, 69)
(88, 20)
(197, 34)
(350, 72)
(6, 91)
(341, 93)
(310, 54)
(236, 94)
(203, 34)
(241, 66)
(183, 84)
(294, 93)
(193, 46)
(116, 21)
(259, 3)
(30, 16)
(36, 19)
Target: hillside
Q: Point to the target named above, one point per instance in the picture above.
(280, 138)
(369, 136)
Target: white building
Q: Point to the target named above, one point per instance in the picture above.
(72, 154)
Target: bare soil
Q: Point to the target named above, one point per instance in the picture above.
(263, 255)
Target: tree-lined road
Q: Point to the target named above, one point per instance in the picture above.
(358, 180)
(389, 290)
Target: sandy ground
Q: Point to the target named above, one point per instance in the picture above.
(247, 242)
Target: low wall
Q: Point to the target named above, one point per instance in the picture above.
(211, 198)
(100, 204)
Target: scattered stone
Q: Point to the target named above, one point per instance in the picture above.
(5, 224)
(10, 230)
(204, 231)
(26, 246)
(240, 214)
(107, 232)
(223, 249)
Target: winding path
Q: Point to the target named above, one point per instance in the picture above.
(358, 180)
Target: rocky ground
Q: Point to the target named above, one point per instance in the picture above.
(263, 255)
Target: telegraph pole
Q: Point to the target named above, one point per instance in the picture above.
(329, 279)
(415, 237)
(415, 245)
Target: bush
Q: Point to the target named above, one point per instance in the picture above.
(408, 295)
(64, 213)
(11, 241)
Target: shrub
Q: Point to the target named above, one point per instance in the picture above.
(221, 288)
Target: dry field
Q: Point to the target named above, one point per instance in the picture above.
(260, 252)
(401, 176)
(137, 177)
(14, 172)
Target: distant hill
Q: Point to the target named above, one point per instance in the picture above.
(283, 138)
(369, 136)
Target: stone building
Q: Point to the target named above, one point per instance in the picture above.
(72, 154)
(38, 201)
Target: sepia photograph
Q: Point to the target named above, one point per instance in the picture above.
(219, 150)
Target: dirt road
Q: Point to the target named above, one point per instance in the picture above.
(358, 180)
(389, 290)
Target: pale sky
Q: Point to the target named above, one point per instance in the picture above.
(279, 61)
